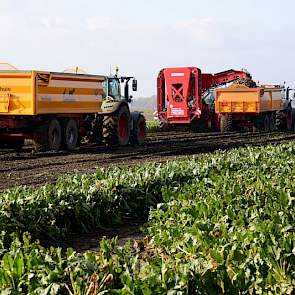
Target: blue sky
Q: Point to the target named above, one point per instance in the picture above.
(143, 36)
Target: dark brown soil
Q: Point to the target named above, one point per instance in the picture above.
(128, 231)
(28, 168)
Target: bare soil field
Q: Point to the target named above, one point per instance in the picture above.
(28, 168)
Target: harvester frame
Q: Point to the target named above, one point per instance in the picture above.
(179, 96)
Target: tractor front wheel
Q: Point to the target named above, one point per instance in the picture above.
(116, 128)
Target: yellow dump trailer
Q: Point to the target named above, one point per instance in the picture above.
(56, 109)
(39, 93)
(263, 108)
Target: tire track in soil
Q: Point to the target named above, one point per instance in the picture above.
(31, 169)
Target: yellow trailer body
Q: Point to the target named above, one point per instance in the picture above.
(39, 93)
(249, 100)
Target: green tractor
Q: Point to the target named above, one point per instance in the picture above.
(120, 126)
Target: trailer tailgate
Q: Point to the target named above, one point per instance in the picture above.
(17, 93)
(237, 100)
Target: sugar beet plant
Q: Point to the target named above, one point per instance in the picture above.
(224, 224)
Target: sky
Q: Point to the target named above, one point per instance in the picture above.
(143, 36)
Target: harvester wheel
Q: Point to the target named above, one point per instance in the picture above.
(70, 134)
(139, 131)
(226, 123)
(116, 128)
(164, 126)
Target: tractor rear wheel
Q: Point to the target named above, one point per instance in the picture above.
(116, 128)
(139, 131)
(226, 123)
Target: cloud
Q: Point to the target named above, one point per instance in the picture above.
(200, 29)
(56, 24)
(98, 23)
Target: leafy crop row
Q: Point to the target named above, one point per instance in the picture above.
(225, 224)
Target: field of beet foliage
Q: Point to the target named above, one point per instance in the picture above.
(220, 223)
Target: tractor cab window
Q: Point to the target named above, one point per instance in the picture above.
(114, 89)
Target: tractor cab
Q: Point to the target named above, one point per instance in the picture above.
(117, 88)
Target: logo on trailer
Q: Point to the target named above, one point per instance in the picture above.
(5, 89)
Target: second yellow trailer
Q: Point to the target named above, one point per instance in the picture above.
(265, 108)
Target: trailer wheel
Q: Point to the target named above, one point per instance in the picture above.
(280, 121)
(54, 135)
(285, 120)
(40, 138)
(139, 131)
(293, 120)
(289, 120)
(266, 123)
(272, 123)
(70, 134)
(226, 123)
(116, 128)
(48, 136)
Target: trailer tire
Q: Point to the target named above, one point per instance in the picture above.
(272, 123)
(226, 123)
(293, 120)
(266, 123)
(116, 128)
(280, 121)
(289, 120)
(139, 132)
(40, 138)
(54, 135)
(285, 120)
(70, 134)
